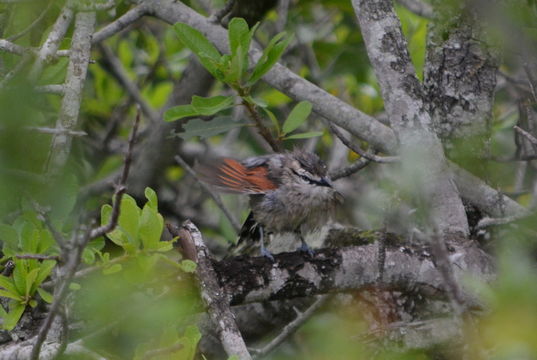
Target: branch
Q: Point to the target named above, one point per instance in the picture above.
(293, 326)
(211, 193)
(121, 23)
(121, 75)
(527, 135)
(349, 170)
(263, 131)
(422, 151)
(74, 84)
(212, 295)
(51, 44)
(359, 151)
(8, 46)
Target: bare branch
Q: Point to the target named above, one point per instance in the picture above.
(51, 44)
(121, 23)
(58, 89)
(527, 135)
(74, 83)
(212, 295)
(349, 170)
(45, 130)
(290, 328)
(8, 46)
(38, 257)
(211, 193)
(132, 89)
(358, 150)
(220, 14)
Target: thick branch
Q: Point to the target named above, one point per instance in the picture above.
(74, 83)
(253, 279)
(421, 150)
(212, 295)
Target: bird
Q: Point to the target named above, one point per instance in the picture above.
(289, 192)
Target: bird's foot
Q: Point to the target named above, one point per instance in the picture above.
(267, 254)
(305, 249)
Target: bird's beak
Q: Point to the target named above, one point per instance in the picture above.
(325, 182)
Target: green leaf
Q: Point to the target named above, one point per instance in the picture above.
(74, 286)
(271, 54)
(179, 112)
(151, 226)
(129, 219)
(305, 135)
(273, 119)
(165, 246)
(239, 43)
(45, 269)
(30, 279)
(32, 303)
(45, 295)
(112, 269)
(188, 266)
(298, 115)
(7, 284)
(19, 275)
(12, 318)
(211, 105)
(199, 45)
(10, 239)
(151, 197)
(204, 129)
(10, 295)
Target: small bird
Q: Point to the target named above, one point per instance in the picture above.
(289, 193)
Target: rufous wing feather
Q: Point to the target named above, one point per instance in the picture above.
(229, 175)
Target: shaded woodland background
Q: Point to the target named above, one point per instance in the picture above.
(426, 113)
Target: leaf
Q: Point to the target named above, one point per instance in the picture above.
(30, 279)
(19, 275)
(199, 45)
(298, 115)
(129, 219)
(188, 266)
(305, 135)
(44, 270)
(12, 318)
(165, 246)
(151, 226)
(45, 295)
(211, 105)
(112, 269)
(273, 119)
(179, 112)
(271, 54)
(74, 286)
(239, 43)
(151, 197)
(10, 295)
(204, 129)
(6, 283)
(10, 239)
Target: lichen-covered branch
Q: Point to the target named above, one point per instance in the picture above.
(74, 83)
(421, 150)
(212, 295)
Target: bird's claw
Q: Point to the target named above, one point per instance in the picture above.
(267, 254)
(305, 249)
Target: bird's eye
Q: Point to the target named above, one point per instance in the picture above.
(304, 177)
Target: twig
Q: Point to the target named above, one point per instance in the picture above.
(212, 295)
(349, 170)
(358, 150)
(290, 328)
(55, 131)
(79, 242)
(42, 215)
(51, 44)
(488, 221)
(33, 24)
(220, 14)
(38, 257)
(132, 89)
(209, 191)
(121, 23)
(93, 6)
(532, 139)
(8, 46)
(76, 75)
(58, 89)
(263, 131)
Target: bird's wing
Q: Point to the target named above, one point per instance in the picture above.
(229, 175)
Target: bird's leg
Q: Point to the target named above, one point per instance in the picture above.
(303, 245)
(262, 248)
